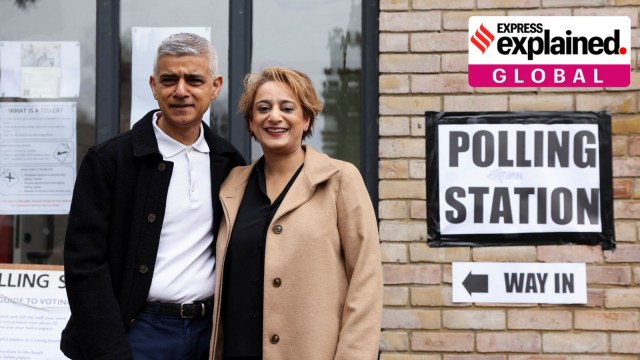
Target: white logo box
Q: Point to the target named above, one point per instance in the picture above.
(580, 26)
(539, 51)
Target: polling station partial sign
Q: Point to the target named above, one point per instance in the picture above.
(519, 178)
(33, 311)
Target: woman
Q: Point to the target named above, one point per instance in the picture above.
(298, 273)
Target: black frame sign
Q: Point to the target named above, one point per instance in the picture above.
(519, 178)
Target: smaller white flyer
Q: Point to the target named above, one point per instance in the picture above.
(37, 157)
(33, 311)
(39, 69)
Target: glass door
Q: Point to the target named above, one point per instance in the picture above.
(322, 39)
(47, 121)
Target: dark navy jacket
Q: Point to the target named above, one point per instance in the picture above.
(113, 233)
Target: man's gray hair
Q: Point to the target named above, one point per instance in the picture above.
(183, 44)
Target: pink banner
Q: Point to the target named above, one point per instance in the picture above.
(606, 75)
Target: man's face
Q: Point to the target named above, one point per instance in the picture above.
(184, 90)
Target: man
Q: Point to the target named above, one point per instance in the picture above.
(139, 261)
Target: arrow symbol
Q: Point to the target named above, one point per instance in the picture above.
(476, 283)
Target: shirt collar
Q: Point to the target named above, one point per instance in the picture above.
(169, 147)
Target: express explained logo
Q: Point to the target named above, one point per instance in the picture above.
(549, 51)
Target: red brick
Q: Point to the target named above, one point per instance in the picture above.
(565, 342)
(439, 42)
(625, 124)
(625, 343)
(634, 145)
(622, 298)
(619, 145)
(541, 12)
(622, 188)
(626, 230)
(570, 253)
(411, 274)
(520, 342)
(607, 320)
(626, 209)
(626, 167)
(410, 319)
(410, 21)
(393, 252)
(489, 4)
(454, 63)
(440, 83)
(395, 296)
(474, 319)
(543, 357)
(474, 357)
(476, 103)
(609, 275)
(442, 341)
(443, 4)
(394, 4)
(402, 230)
(623, 253)
(394, 341)
(571, 3)
(539, 319)
(612, 102)
(431, 296)
(595, 298)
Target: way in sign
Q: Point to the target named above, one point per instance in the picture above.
(536, 282)
(519, 283)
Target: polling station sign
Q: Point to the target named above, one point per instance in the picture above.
(519, 178)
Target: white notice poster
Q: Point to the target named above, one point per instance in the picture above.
(33, 312)
(37, 157)
(39, 69)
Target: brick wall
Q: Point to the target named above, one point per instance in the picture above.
(423, 65)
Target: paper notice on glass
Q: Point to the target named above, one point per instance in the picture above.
(144, 44)
(37, 157)
(44, 69)
(33, 311)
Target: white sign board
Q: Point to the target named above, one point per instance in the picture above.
(527, 178)
(37, 157)
(33, 312)
(39, 69)
(528, 283)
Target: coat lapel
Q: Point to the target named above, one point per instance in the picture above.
(232, 191)
(317, 169)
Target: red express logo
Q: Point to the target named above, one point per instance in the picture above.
(482, 38)
(554, 51)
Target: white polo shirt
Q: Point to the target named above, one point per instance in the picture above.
(184, 270)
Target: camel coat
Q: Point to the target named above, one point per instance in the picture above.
(322, 271)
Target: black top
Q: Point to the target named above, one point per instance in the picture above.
(242, 294)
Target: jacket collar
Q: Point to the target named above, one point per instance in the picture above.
(145, 143)
(317, 168)
(143, 137)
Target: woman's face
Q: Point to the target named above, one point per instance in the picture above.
(277, 119)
